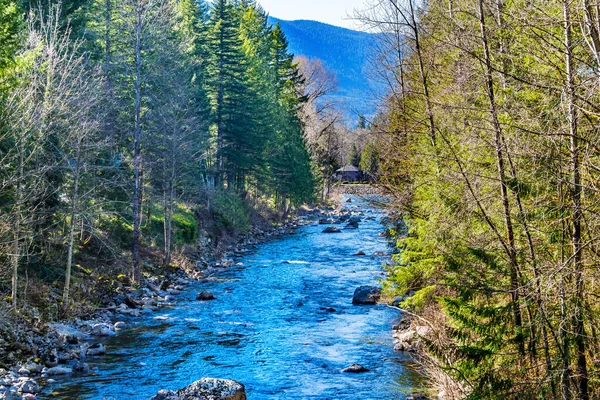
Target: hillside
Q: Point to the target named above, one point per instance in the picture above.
(343, 51)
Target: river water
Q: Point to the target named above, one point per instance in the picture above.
(269, 328)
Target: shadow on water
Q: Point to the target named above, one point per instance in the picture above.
(283, 324)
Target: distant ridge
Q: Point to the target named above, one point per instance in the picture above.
(343, 51)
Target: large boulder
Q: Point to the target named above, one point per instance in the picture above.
(206, 389)
(366, 295)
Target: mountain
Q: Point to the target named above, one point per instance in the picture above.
(343, 51)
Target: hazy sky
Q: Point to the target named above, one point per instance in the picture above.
(333, 12)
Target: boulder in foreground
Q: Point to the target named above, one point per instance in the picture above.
(366, 295)
(206, 389)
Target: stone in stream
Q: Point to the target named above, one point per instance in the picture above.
(28, 386)
(206, 389)
(102, 330)
(205, 296)
(366, 295)
(58, 371)
(360, 253)
(351, 225)
(81, 367)
(355, 369)
(7, 394)
(97, 349)
(331, 229)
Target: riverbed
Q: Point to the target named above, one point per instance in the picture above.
(282, 323)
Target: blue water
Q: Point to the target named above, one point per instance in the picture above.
(267, 329)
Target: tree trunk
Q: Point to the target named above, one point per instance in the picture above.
(582, 373)
(498, 140)
(136, 143)
(74, 197)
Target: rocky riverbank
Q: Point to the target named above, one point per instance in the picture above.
(37, 352)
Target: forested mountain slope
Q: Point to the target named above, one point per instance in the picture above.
(343, 51)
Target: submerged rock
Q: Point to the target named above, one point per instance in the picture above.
(96, 350)
(366, 295)
(58, 371)
(360, 253)
(81, 367)
(355, 369)
(206, 389)
(205, 296)
(331, 229)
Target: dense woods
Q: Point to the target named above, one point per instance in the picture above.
(490, 144)
(132, 126)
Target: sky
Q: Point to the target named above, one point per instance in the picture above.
(332, 12)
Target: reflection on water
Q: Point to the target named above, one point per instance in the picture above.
(283, 324)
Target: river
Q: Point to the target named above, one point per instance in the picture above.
(269, 328)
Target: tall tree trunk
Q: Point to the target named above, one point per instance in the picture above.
(73, 214)
(16, 256)
(582, 374)
(498, 143)
(136, 143)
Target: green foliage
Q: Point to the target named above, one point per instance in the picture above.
(369, 159)
(354, 157)
(231, 212)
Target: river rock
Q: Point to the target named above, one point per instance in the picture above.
(351, 225)
(97, 349)
(7, 394)
(355, 369)
(360, 253)
(205, 296)
(366, 295)
(28, 386)
(331, 229)
(409, 339)
(58, 371)
(33, 367)
(206, 389)
(120, 325)
(102, 330)
(417, 396)
(81, 367)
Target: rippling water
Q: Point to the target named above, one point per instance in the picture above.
(268, 329)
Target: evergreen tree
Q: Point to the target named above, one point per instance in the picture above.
(354, 156)
(230, 94)
(369, 159)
